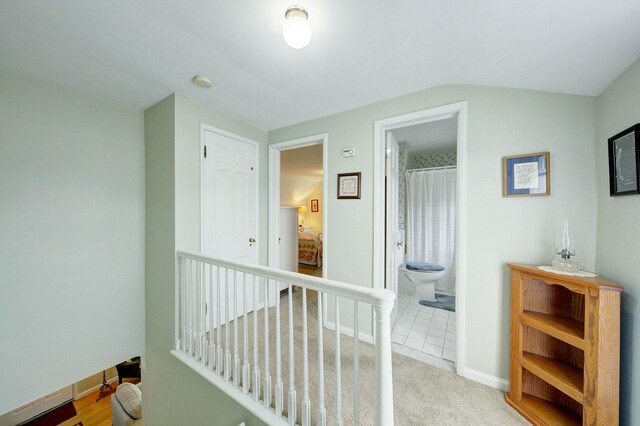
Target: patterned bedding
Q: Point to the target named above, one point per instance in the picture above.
(310, 248)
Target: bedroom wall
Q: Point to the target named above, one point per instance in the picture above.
(174, 394)
(297, 190)
(71, 236)
(301, 181)
(501, 122)
(311, 218)
(619, 234)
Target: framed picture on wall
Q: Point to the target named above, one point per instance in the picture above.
(314, 206)
(624, 160)
(349, 185)
(526, 175)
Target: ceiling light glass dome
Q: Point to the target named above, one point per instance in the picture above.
(296, 30)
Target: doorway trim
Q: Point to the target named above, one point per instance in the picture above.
(204, 127)
(459, 109)
(274, 192)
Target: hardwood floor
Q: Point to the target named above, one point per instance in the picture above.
(92, 413)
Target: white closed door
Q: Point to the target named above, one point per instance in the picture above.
(230, 210)
(37, 407)
(392, 232)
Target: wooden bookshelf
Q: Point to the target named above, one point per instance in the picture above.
(561, 375)
(562, 328)
(563, 369)
(546, 412)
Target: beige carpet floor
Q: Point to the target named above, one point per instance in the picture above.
(423, 394)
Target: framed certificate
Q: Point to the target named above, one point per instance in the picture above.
(526, 175)
(349, 185)
(624, 157)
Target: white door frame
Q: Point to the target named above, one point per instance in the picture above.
(206, 127)
(458, 109)
(274, 192)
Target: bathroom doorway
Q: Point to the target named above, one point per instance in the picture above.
(421, 177)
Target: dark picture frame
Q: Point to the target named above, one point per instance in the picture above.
(349, 185)
(624, 162)
(314, 205)
(526, 175)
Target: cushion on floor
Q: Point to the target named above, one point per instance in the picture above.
(130, 397)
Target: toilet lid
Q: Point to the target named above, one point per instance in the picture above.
(424, 267)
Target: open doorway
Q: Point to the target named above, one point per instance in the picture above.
(425, 237)
(297, 211)
(300, 200)
(420, 171)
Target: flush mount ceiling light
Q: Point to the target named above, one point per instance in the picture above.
(296, 30)
(202, 81)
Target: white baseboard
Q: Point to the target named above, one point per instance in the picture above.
(93, 389)
(441, 363)
(368, 338)
(486, 379)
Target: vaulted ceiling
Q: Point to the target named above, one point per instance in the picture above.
(136, 52)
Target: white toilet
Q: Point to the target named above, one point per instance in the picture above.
(424, 282)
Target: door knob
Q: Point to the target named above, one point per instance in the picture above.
(400, 243)
(252, 240)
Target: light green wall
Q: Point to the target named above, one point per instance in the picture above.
(619, 234)
(71, 236)
(160, 216)
(501, 122)
(175, 394)
(189, 115)
(71, 191)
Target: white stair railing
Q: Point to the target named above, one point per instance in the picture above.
(213, 295)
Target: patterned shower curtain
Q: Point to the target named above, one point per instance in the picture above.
(431, 221)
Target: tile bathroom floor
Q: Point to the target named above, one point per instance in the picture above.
(428, 330)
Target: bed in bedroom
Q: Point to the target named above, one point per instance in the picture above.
(310, 248)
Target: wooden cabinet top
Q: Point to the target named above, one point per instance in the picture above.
(596, 282)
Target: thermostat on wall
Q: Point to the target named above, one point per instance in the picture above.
(348, 152)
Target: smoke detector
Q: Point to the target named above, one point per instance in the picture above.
(202, 81)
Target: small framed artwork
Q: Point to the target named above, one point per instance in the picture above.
(314, 206)
(624, 160)
(349, 185)
(526, 175)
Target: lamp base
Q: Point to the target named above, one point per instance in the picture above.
(104, 387)
(567, 265)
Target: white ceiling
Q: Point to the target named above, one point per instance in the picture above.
(136, 52)
(305, 161)
(436, 136)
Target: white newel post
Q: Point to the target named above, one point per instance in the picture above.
(384, 375)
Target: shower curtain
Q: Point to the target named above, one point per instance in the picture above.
(431, 221)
